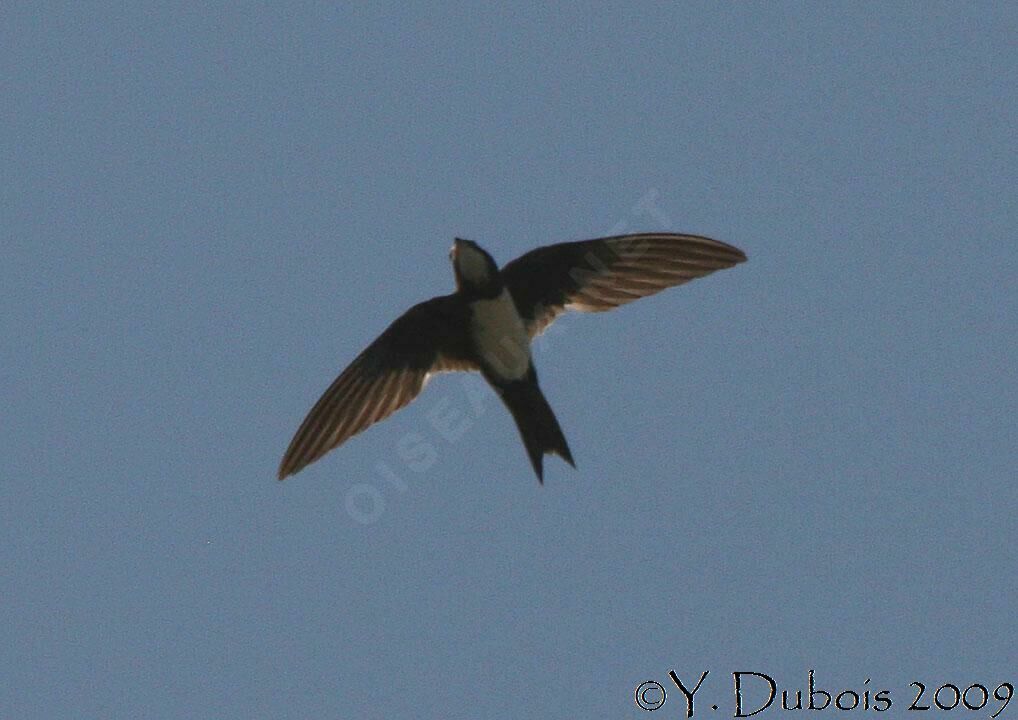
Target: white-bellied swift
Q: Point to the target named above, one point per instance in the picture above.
(487, 325)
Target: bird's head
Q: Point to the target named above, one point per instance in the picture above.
(475, 269)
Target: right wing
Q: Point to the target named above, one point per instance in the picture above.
(428, 338)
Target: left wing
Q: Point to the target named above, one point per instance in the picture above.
(598, 275)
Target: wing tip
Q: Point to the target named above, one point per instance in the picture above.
(287, 468)
(735, 255)
(732, 253)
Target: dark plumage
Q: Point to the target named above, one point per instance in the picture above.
(487, 325)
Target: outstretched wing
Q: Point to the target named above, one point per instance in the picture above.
(598, 275)
(427, 339)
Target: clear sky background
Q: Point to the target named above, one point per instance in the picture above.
(807, 461)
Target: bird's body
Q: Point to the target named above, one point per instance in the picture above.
(487, 326)
(499, 336)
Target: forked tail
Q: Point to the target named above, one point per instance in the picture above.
(537, 424)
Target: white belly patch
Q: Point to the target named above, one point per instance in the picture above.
(499, 336)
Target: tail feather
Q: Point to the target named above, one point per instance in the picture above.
(537, 424)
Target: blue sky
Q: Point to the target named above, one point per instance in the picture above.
(805, 462)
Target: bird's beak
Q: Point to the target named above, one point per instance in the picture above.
(454, 249)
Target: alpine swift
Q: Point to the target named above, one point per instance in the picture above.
(487, 325)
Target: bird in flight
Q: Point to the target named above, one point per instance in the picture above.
(487, 325)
